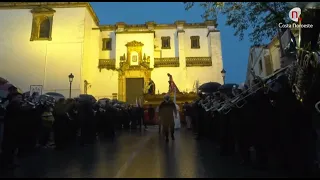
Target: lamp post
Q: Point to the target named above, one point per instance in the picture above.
(223, 73)
(71, 76)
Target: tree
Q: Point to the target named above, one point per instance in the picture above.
(262, 17)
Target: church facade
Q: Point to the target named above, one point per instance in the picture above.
(43, 42)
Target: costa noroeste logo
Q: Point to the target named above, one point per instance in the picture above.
(294, 14)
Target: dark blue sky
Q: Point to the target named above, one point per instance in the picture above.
(234, 52)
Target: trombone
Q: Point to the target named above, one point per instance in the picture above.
(225, 108)
(262, 83)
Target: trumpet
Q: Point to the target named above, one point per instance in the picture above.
(214, 106)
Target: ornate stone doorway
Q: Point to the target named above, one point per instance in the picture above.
(136, 65)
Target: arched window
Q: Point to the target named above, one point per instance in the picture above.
(42, 18)
(44, 31)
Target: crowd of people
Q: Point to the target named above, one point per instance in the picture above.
(267, 125)
(274, 125)
(271, 124)
(29, 124)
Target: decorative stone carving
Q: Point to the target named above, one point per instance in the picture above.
(198, 61)
(150, 25)
(109, 64)
(43, 10)
(134, 44)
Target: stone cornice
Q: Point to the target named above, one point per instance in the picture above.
(110, 27)
(134, 27)
(31, 5)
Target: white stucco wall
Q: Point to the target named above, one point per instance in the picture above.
(204, 42)
(257, 54)
(76, 48)
(186, 77)
(48, 63)
(275, 56)
(215, 51)
(108, 54)
(173, 51)
(104, 83)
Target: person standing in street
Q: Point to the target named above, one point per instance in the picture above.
(167, 111)
(151, 113)
(187, 113)
(141, 119)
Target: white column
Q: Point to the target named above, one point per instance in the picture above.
(182, 57)
(216, 53)
(180, 35)
(119, 51)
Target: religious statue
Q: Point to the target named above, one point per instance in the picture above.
(151, 87)
(172, 85)
(86, 86)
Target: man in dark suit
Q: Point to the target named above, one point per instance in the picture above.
(167, 111)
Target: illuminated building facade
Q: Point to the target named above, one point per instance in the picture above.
(43, 42)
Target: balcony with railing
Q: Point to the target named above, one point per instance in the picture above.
(166, 62)
(109, 64)
(198, 61)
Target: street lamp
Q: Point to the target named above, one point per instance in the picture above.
(223, 73)
(71, 76)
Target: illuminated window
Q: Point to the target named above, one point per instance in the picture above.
(165, 42)
(195, 42)
(106, 44)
